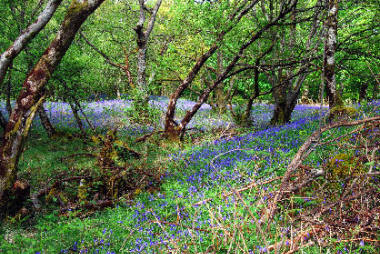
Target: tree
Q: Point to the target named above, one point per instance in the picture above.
(331, 27)
(33, 93)
(22, 40)
(286, 85)
(142, 42)
(173, 129)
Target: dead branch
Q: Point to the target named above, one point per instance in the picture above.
(35, 196)
(304, 149)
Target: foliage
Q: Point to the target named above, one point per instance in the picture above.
(210, 197)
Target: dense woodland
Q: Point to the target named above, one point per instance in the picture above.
(189, 126)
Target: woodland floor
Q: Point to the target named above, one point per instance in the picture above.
(207, 195)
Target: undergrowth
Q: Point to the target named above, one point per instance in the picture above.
(211, 199)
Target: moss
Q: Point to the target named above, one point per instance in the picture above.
(342, 166)
(82, 191)
(76, 7)
(341, 112)
(33, 111)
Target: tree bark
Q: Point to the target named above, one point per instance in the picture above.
(46, 122)
(74, 109)
(8, 91)
(26, 36)
(330, 49)
(32, 95)
(142, 42)
(221, 96)
(3, 121)
(282, 109)
(363, 91)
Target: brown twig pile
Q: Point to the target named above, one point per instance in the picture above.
(341, 197)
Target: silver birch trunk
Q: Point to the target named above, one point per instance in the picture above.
(26, 36)
(330, 48)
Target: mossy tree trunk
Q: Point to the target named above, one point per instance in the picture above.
(32, 94)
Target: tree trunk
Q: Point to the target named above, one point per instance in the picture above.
(363, 91)
(221, 96)
(32, 95)
(282, 114)
(329, 56)
(171, 127)
(3, 121)
(26, 36)
(8, 91)
(46, 122)
(77, 103)
(77, 119)
(142, 43)
(287, 90)
(305, 94)
(246, 121)
(282, 110)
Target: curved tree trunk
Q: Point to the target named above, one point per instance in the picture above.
(204, 96)
(172, 129)
(32, 95)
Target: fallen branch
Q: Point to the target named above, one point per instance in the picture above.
(304, 149)
(143, 138)
(35, 196)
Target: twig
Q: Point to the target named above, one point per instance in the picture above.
(35, 196)
(247, 187)
(298, 158)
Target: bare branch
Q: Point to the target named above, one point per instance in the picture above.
(26, 36)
